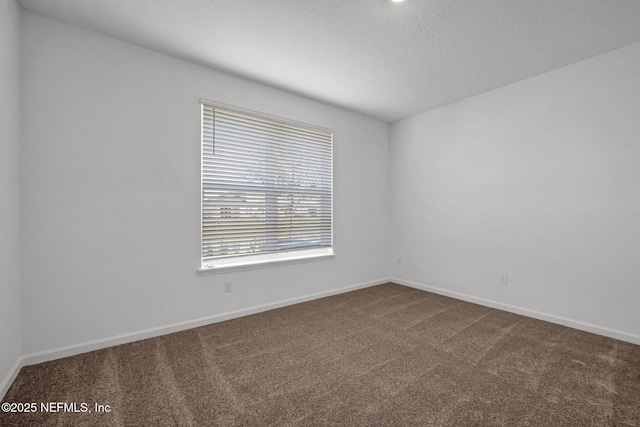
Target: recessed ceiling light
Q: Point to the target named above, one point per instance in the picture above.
(397, 1)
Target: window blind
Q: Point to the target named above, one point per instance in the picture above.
(266, 185)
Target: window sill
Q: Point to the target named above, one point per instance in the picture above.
(245, 263)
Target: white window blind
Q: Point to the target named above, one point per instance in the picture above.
(266, 186)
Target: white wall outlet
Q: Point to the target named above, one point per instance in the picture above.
(227, 286)
(399, 261)
(504, 278)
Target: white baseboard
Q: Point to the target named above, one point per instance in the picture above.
(10, 377)
(583, 326)
(58, 353)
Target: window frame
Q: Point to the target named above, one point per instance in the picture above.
(223, 264)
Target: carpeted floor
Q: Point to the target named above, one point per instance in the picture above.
(382, 356)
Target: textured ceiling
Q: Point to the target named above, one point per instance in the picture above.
(387, 60)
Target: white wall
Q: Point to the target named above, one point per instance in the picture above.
(540, 179)
(9, 187)
(111, 193)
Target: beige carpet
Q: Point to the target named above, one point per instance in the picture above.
(382, 356)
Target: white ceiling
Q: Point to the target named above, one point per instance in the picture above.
(387, 60)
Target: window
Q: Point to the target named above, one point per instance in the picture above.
(267, 192)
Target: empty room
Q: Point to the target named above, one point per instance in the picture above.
(319, 213)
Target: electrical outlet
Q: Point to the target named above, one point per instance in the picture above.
(399, 261)
(227, 286)
(504, 278)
